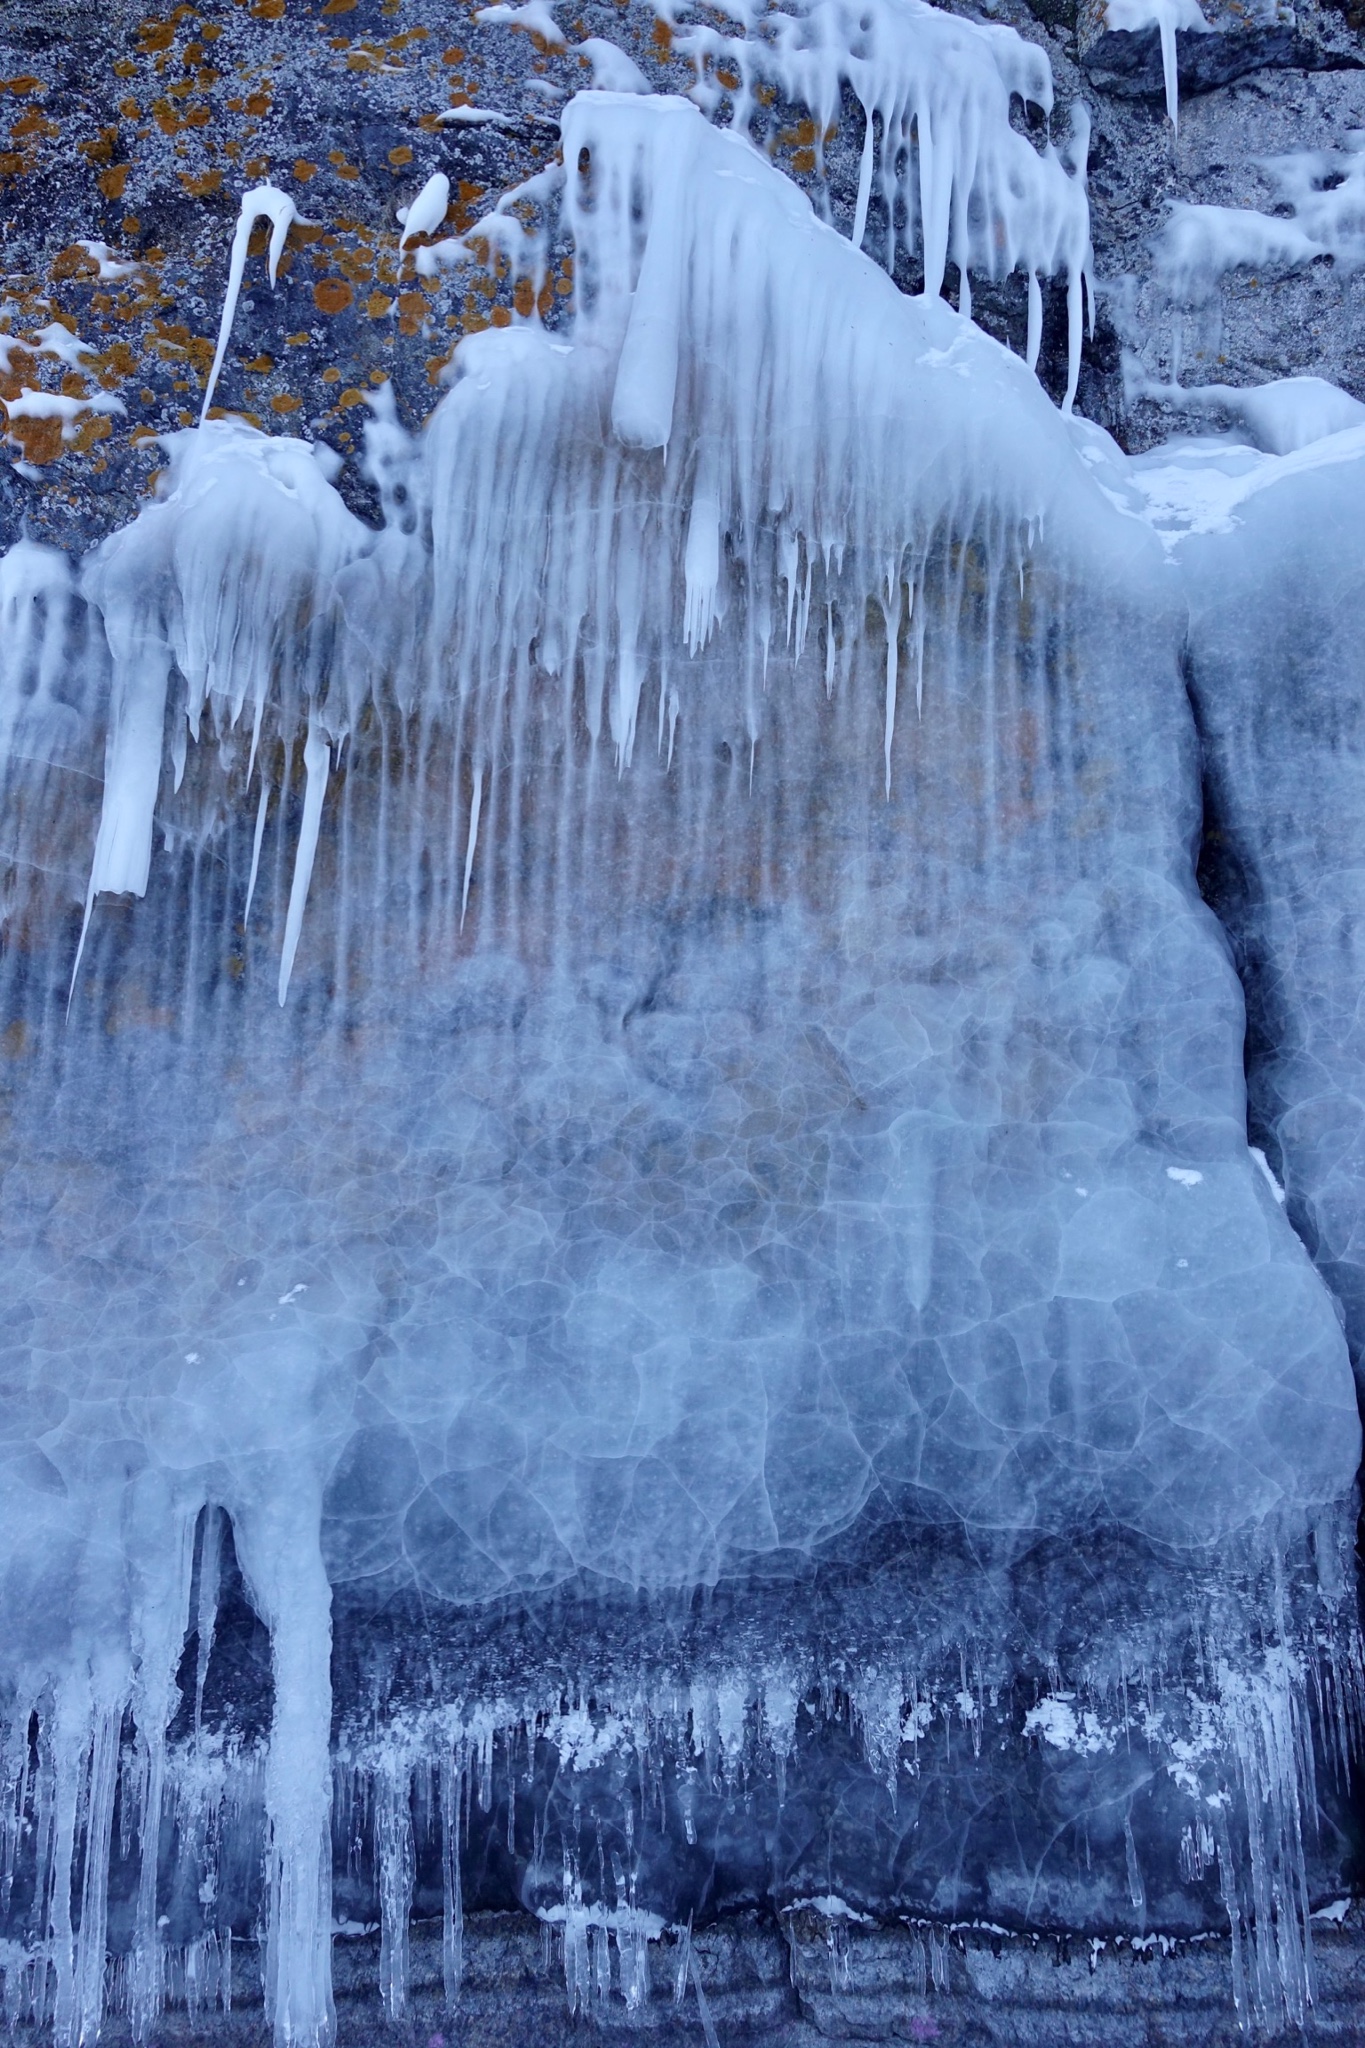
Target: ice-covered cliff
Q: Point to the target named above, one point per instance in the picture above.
(625, 1119)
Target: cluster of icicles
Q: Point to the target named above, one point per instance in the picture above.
(85, 1783)
(855, 429)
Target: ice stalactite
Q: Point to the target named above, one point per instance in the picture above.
(278, 1546)
(957, 183)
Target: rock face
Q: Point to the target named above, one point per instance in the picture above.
(634, 1281)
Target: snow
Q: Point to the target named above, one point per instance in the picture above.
(612, 69)
(534, 15)
(55, 405)
(110, 268)
(57, 340)
(427, 210)
(474, 117)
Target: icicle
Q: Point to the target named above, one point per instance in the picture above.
(453, 1774)
(262, 805)
(316, 762)
(475, 802)
(279, 1548)
(206, 1614)
(262, 202)
(395, 1863)
(891, 613)
(1035, 320)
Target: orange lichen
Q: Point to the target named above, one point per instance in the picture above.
(400, 156)
(100, 149)
(412, 311)
(378, 305)
(112, 181)
(331, 375)
(200, 187)
(73, 262)
(332, 295)
(350, 397)
(303, 170)
(285, 403)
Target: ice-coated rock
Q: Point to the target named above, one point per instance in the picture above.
(646, 1026)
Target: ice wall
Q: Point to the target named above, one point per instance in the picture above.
(645, 1019)
(1277, 683)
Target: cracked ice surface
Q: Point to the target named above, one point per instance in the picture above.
(648, 1012)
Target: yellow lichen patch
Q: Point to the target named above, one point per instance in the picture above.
(268, 10)
(297, 340)
(339, 7)
(360, 60)
(114, 364)
(201, 186)
(32, 125)
(94, 427)
(303, 170)
(331, 375)
(262, 364)
(378, 305)
(39, 441)
(22, 86)
(112, 181)
(285, 403)
(73, 262)
(350, 397)
(155, 35)
(125, 68)
(332, 295)
(100, 149)
(412, 311)
(400, 156)
(436, 366)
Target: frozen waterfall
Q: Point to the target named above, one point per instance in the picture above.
(624, 1120)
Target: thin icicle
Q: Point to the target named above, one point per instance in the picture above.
(316, 762)
(262, 202)
(262, 805)
(475, 804)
